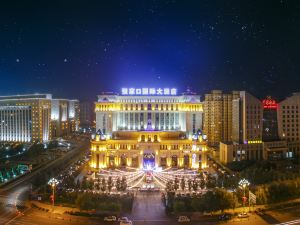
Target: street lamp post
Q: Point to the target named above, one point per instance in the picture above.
(243, 184)
(53, 182)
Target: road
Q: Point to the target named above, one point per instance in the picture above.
(284, 214)
(13, 196)
(37, 217)
(147, 210)
(13, 202)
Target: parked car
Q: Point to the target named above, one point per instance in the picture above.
(123, 219)
(243, 215)
(110, 218)
(128, 222)
(225, 216)
(183, 219)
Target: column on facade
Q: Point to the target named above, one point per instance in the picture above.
(141, 159)
(145, 120)
(203, 159)
(190, 159)
(180, 156)
(128, 160)
(169, 159)
(157, 159)
(117, 160)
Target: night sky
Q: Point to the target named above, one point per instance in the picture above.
(78, 49)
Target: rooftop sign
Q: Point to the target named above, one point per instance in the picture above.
(149, 91)
(270, 103)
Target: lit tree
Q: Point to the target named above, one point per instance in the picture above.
(169, 186)
(202, 183)
(84, 183)
(123, 184)
(97, 185)
(190, 184)
(195, 185)
(118, 184)
(182, 183)
(103, 184)
(210, 182)
(176, 184)
(109, 183)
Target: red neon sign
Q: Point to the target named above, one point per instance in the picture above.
(270, 104)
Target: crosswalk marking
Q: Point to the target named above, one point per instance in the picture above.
(290, 222)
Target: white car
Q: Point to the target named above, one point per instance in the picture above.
(128, 222)
(123, 219)
(110, 218)
(183, 219)
(243, 215)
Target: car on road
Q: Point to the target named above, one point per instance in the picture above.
(243, 215)
(123, 219)
(128, 222)
(110, 218)
(225, 216)
(183, 219)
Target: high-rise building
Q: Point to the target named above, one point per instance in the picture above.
(288, 123)
(64, 117)
(270, 125)
(87, 114)
(36, 117)
(247, 119)
(148, 127)
(25, 118)
(246, 141)
(218, 116)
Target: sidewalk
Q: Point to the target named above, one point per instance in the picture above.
(56, 209)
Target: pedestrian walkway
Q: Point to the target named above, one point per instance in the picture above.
(148, 206)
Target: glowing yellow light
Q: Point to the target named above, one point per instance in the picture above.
(128, 162)
(168, 162)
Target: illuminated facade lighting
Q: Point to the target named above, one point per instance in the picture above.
(30, 118)
(148, 127)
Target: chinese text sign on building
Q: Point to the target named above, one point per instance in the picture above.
(149, 91)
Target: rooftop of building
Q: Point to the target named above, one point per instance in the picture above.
(32, 97)
(25, 96)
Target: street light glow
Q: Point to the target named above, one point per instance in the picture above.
(53, 182)
(244, 183)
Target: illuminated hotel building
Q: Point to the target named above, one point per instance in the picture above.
(148, 127)
(31, 118)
